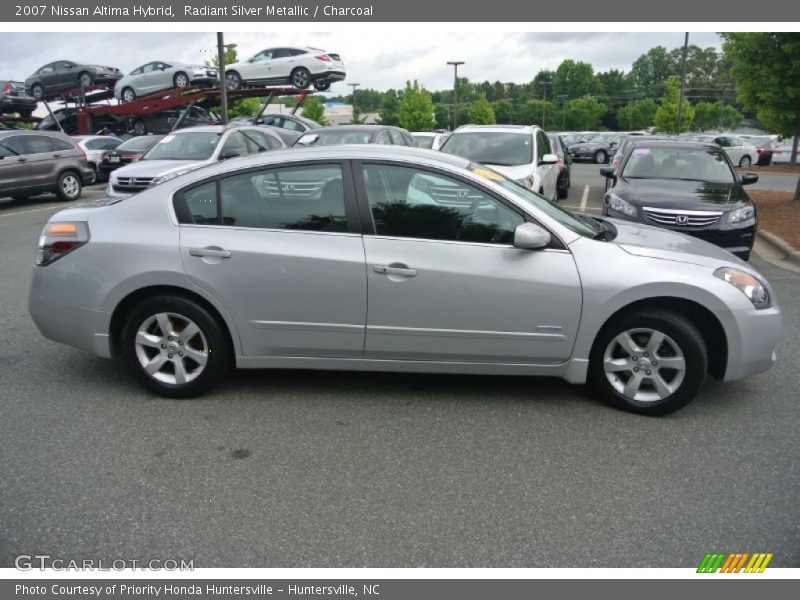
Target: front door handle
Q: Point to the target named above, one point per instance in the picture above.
(56, 155)
(403, 270)
(210, 252)
(22, 159)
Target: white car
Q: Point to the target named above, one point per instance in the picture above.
(520, 152)
(95, 146)
(162, 75)
(741, 153)
(297, 66)
(429, 139)
(782, 152)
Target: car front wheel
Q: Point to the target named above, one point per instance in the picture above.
(85, 80)
(128, 95)
(745, 161)
(233, 81)
(175, 347)
(600, 157)
(651, 362)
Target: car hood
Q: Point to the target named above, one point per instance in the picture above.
(157, 168)
(514, 172)
(673, 193)
(655, 242)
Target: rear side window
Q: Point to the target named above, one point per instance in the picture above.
(38, 144)
(63, 144)
(198, 205)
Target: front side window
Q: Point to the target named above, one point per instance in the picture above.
(413, 203)
(397, 138)
(234, 146)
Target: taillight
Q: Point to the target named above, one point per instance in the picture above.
(7, 87)
(60, 238)
(135, 157)
(615, 164)
(323, 57)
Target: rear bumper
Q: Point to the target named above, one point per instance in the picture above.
(13, 104)
(329, 75)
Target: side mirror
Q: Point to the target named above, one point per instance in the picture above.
(251, 60)
(748, 178)
(530, 236)
(228, 154)
(607, 171)
(548, 159)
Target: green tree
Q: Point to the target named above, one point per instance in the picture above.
(481, 112)
(715, 115)
(650, 71)
(766, 72)
(666, 118)
(636, 115)
(230, 55)
(314, 109)
(246, 107)
(416, 112)
(584, 113)
(390, 103)
(574, 79)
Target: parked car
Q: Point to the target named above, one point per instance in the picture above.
(187, 149)
(765, 147)
(356, 134)
(33, 162)
(229, 265)
(66, 120)
(782, 152)
(164, 121)
(564, 180)
(688, 187)
(741, 153)
(429, 139)
(519, 152)
(127, 152)
(289, 127)
(598, 148)
(13, 99)
(159, 75)
(66, 75)
(95, 146)
(297, 66)
(626, 143)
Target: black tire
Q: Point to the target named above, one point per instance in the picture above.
(128, 94)
(563, 192)
(69, 186)
(233, 81)
(601, 157)
(682, 332)
(25, 113)
(85, 80)
(37, 91)
(218, 352)
(322, 85)
(745, 161)
(300, 78)
(139, 128)
(181, 79)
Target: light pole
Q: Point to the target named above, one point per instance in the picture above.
(455, 64)
(353, 94)
(544, 85)
(683, 81)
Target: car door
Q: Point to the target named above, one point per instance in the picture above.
(281, 64)
(47, 76)
(445, 282)
(146, 82)
(40, 150)
(64, 77)
(14, 169)
(257, 68)
(279, 248)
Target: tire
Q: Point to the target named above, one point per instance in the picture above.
(69, 186)
(181, 79)
(25, 113)
(563, 193)
(601, 157)
(233, 81)
(20, 198)
(612, 369)
(322, 85)
(204, 357)
(300, 78)
(85, 80)
(745, 161)
(37, 91)
(128, 94)
(139, 128)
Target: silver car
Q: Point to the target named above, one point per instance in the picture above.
(162, 75)
(383, 258)
(95, 146)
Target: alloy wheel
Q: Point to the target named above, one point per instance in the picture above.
(171, 348)
(70, 186)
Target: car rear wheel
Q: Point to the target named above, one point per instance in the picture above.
(300, 78)
(37, 91)
(181, 80)
(85, 80)
(651, 362)
(600, 157)
(69, 186)
(139, 128)
(175, 347)
(128, 95)
(322, 85)
(233, 81)
(745, 161)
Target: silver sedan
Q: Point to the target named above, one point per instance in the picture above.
(394, 259)
(162, 75)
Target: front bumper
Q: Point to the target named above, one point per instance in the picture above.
(751, 346)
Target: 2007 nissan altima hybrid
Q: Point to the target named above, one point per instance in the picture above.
(381, 258)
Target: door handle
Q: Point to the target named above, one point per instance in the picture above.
(22, 159)
(56, 155)
(212, 252)
(394, 270)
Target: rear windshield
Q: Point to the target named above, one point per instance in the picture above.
(195, 145)
(424, 141)
(492, 147)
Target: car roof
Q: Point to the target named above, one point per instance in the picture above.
(677, 144)
(497, 128)
(357, 128)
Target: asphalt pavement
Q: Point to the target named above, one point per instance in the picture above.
(299, 469)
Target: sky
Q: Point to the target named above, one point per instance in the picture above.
(374, 59)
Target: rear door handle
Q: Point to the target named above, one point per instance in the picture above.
(212, 252)
(392, 270)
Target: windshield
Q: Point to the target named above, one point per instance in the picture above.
(564, 217)
(695, 164)
(195, 145)
(142, 142)
(424, 141)
(334, 138)
(492, 147)
(601, 139)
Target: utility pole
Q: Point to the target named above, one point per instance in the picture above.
(455, 64)
(223, 88)
(544, 85)
(683, 81)
(353, 94)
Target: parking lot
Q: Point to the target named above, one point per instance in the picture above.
(294, 468)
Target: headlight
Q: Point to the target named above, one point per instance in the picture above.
(168, 176)
(619, 205)
(527, 182)
(740, 215)
(750, 286)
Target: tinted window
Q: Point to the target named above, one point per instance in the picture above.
(408, 202)
(38, 144)
(61, 144)
(493, 148)
(14, 144)
(198, 205)
(297, 52)
(308, 198)
(281, 53)
(5, 151)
